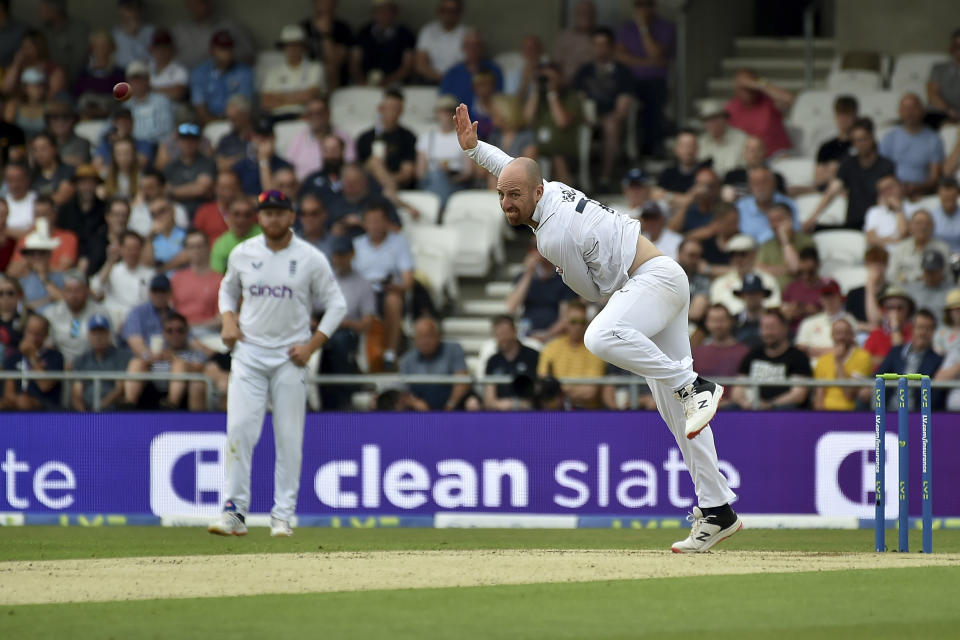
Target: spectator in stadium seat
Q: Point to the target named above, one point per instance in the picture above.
(257, 167)
(70, 316)
(389, 150)
(609, 85)
(540, 292)
(655, 230)
(12, 32)
(509, 128)
(61, 118)
(520, 81)
(329, 40)
(930, 292)
(441, 166)
(841, 361)
(677, 179)
(555, 112)
(327, 181)
(573, 47)
(241, 225)
(107, 238)
(947, 337)
(347, 198)
(857, 176)
(211, 218)
(484, 89)
(943, 86)
(698, 220)
(164, 248)
(234, 145)
(566, 356)
(288, 85)
(312, 224)
(430, 355)
(440, 42)
(195, 288)
(815, 333)
(143, 326)
(19, 198)
(340, 351)
(637, 191)
(886, 222)
(120, 127)
(720, 354)
(7, 242)
(863, 302)
(907, 255)
(753, 294)
(754, 208)
(65, 37)
(736, 181)
(690, 257)
(946, 221)
(41, 286)
(63, 256)
(837, 149)
(895, 329)
(167, 76)
(151, 185)
(757, 107)
(306, 151)
(383, 257)
(122, 283)
(193, 36)
(51, 178)
(175, 354)
(285, 181)
(646, 44)
(458, 80)
(513, 359)
(93, 88)
(914, 356)
(219, 77)
(152, 111)
(25, 107)
(132, 36)
(122, 173)
(101, 355)
(776, 359)
(720, 144)
(780, 255)
(914, 148)
(11, 318)
(190, 177)
(743, 256)
(801, 298)
(12, 139)
(716, 246)
(383, 51)
(31, 355)
(84, 214)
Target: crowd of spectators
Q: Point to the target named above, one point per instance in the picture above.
(112, 250)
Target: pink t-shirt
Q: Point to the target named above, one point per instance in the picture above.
(761, 119)
(306, 156)
(195, 296)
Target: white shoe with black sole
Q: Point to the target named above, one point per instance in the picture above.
(700, 400)
(707, 531)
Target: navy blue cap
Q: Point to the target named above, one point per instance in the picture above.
(752, 284)
(189, 129)
(651, 210)
(160, 282)
(636, 176)
(341, 244)
(98, 322)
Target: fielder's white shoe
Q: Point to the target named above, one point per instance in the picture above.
(229, 524)
(280, 528)
(707, 531)
(700, 400)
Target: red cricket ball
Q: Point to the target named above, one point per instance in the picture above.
(121, 91)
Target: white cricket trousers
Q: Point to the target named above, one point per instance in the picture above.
(256, 376)
(643, 329)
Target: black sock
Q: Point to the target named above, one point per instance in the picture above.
(724, 514)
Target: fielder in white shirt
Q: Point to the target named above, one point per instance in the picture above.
(642, 328)
(281, 279)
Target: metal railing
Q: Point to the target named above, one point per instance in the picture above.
(388, 380)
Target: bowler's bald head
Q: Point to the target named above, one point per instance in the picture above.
(522, 170)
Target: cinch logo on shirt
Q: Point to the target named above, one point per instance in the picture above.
(257, 290)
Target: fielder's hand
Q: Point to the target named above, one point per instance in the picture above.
(466, 130)
(300, 354)
(230, 333)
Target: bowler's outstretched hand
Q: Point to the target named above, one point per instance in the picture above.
(466, 130)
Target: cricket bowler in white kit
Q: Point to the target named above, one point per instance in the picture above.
(280, 279)
(642, 328)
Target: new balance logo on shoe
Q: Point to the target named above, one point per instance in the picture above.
(703, 403)
(703, 536)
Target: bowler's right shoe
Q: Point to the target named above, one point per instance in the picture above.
(700, 400)
(230, 523)
(280, 528)
(708, 530)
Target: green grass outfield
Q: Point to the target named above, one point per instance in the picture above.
(902, 603)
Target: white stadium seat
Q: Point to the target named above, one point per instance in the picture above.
(812, 114)
(418, 104)
(354, 109)
(476, 215)
(840, 246)
(434, 249)
(912, 70)
(928, 203)
(949, 135)
(215, 130)
(854, 80)
(509, 61)
(90, 130)
(847, 276)
(426, 202)
(879, 106)
(285, 132)
(835, 214)
(796, 171)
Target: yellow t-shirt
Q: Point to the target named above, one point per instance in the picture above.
(858, 365)
(561, 359)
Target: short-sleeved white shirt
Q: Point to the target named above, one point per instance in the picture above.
(445, 48)
(283, 78)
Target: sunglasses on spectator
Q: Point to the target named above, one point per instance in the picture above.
(174, 329)
(8, 293)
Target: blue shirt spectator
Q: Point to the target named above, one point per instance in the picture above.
(458, 81)
(384, 261)
(248, 170)
(211, 86)
(35, 290)
(152, 118)
(145, 321)
(916, 356)
(430, 356)
(946, 215)
(166, 247)
(753, 220)
(912, 153)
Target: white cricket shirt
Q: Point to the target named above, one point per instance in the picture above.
(279, 290)
(592, 244)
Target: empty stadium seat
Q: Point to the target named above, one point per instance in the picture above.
(840, 246)
(354, 109)
(215, 130)
(949, 135)
(879, 106)
(426, 202)
(285, 132)
(434, 250)
(854, 80)
(929, 203)
(847, 276)
(477, 217)
(796, 171)
(835, 214)
(418, 104)
(90, 130)
(509, 62)
(912, 70)
(812, 113)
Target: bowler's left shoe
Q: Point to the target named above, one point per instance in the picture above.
(280, 528)
(700, 400)
(708, 530)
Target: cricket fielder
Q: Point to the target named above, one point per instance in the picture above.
(642, 328)
(280, 278)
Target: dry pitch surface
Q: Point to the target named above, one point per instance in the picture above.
(98, 580)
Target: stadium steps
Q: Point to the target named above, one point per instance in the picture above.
(779, 59)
